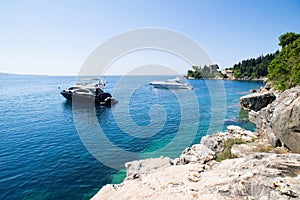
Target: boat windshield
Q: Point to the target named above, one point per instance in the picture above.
(176, 80)
(74, 88)
(82, 91)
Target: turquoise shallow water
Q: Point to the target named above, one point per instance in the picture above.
(45, 155)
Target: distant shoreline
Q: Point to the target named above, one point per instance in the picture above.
(235, 79)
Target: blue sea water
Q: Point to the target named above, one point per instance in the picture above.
(46, 144)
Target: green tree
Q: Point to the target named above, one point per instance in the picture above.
(284, 70)
(206, 72)
(253, 67)
(195, 72)
(287, 38)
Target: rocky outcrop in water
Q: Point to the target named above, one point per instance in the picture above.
(137, 168)
(197, 175)
(280, 120)
(257, 101)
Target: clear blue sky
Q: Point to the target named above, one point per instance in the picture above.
(55, 37)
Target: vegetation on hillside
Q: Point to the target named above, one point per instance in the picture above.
(204, 72)
(253, 67)
(284, 70)
(282, 67)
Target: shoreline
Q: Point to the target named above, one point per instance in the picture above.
(215, 160)
(233, 79)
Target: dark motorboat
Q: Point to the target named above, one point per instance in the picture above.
(89, 92)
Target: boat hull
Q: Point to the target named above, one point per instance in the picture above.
(104, 99)
(67, 95)
(170, 86)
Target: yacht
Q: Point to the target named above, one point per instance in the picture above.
(171, 84)
(89, 91)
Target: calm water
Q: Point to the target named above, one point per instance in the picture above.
(43, 153)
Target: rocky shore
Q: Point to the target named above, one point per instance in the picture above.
(279, 121)
(235, 164)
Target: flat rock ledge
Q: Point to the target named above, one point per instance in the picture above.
(259, 172)
(257, 101)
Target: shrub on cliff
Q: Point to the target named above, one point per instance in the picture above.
(284, 70)
(226, 153)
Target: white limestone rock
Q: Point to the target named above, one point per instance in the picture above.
(198, 153)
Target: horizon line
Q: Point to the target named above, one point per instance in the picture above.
(30, 74)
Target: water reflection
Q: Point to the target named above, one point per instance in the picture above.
(242, 120)
(67, 106)
(243, 115)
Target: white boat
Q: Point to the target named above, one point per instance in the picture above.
(171, 84)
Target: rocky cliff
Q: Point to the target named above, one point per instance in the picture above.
(279, 122)
(257, 172)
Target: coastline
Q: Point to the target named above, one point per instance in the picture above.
(262, 79)
(235, 164)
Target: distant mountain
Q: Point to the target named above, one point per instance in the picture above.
(2, 73)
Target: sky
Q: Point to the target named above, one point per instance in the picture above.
(56, 37)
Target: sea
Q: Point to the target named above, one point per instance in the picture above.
(51, 148)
